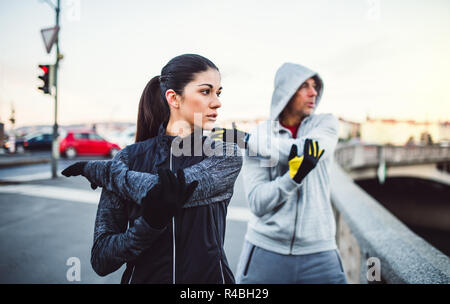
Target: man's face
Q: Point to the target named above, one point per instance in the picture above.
(302, 104)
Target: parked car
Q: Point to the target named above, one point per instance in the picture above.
(14, 144)
(6, 145)
(86, 143)
(30, 142)
(38, 142)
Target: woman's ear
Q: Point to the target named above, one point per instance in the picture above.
(172, 98)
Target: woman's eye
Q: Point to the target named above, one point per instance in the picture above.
(205, 92)
(218, 93)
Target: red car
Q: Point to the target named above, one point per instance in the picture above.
(86, 143)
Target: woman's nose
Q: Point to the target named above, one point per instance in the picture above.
(216, 103)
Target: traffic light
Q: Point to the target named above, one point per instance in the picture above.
(46, 78)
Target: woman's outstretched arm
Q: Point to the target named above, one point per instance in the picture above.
(216, 175)
(325, 131)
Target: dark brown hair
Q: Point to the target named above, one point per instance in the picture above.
(175, 75)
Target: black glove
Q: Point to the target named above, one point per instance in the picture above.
(231, 135)
(77, 169)
(300, 166)
(166, 199)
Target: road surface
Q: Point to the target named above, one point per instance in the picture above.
(45, 222)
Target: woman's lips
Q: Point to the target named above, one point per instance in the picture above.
(212, 117)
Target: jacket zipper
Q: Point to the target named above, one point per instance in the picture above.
(174, 257)
(295, 226)
(132, 272)
(134, 266)
(173, 230)
(295, 221)
(218, 247)
(296, 203)
(221, 271)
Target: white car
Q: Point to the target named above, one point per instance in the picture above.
(127, 137)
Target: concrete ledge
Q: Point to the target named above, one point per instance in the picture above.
(12, 161)
(404, 256)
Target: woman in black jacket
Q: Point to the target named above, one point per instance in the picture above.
(164, 199)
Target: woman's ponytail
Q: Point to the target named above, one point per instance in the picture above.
(153, 111)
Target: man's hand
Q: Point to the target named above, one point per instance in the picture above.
(300, 166)
(231, 135)
(77, 169)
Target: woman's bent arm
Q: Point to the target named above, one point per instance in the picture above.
(114, 244)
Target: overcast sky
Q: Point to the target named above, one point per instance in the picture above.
(388, 59)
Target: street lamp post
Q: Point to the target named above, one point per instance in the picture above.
(52, 79)
(55, 147)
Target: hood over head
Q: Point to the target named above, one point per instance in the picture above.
(288, 79)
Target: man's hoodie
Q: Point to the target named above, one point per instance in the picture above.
(290, 218)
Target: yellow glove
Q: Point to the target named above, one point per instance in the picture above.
(300, 166)
(237, 136)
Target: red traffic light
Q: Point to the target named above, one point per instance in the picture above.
(44, 68)
(45, 78)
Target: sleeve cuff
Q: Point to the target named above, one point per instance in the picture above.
(287, 184)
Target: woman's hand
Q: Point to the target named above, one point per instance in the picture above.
(166, 199)
(77, 169)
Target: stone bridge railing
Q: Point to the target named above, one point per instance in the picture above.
(375, 246)
(357, 156)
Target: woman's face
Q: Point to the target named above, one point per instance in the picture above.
(200, 100)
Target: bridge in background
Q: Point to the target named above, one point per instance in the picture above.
(371, 161)
(367, 230)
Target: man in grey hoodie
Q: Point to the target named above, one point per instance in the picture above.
(291, 235)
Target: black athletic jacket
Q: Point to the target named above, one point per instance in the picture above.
(190, 248)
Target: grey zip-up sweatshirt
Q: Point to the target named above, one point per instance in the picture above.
(290, 218)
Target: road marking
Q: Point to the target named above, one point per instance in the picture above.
(239, 214)
(61, 193)
(27, 177)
